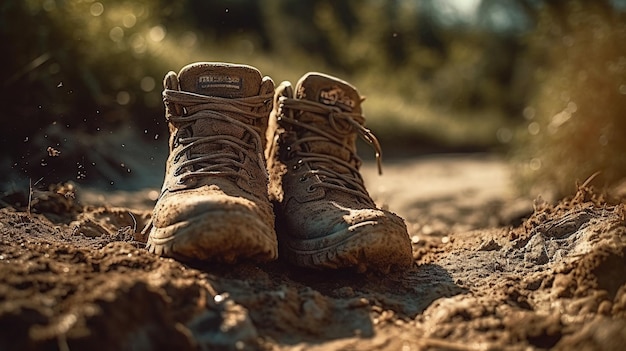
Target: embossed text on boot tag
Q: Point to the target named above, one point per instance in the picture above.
(219, 81)
(337, 97)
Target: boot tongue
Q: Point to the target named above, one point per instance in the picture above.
(329, 91)
(220, 79)
(225, 81)
(334, 92)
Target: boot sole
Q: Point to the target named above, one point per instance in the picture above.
(362, 246)
(216, 236)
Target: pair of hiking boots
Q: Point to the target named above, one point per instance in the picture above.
(248, 161)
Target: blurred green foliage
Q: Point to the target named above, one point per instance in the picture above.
(75, 70)
(84, 74)
(575, 122)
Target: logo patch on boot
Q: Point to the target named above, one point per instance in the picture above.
(336, 96)
(219, 81)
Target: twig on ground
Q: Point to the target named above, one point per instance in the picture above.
(134, 222)
(30, 193)
(590, 179)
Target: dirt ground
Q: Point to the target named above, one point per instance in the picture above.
(492, 272)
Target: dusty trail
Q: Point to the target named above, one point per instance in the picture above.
(482, 279)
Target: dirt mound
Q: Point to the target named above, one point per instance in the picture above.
(84, 281)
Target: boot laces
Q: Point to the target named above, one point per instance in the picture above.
(342, 124)
(230, 151)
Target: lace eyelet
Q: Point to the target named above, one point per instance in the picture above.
(291, 153)
(187, 181)
(297, 165)
(310, 188)
(177, 171)
(303, 179)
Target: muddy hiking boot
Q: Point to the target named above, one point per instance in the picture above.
(214, 204)
(324, 215)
